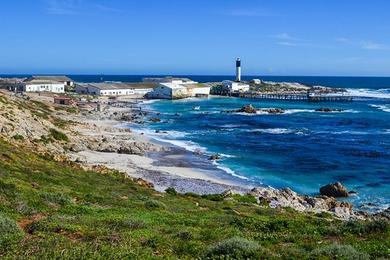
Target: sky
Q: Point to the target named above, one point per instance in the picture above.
(195, 37)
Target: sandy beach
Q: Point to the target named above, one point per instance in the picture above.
(161, 164)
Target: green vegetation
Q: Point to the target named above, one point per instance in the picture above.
(52, 210)
(57, 135)
(18, 137)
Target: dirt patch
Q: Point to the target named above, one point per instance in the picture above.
(24, 223)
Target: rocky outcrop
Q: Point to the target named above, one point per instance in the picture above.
(286, 198)
(214, 157)
(272, 110)
(336, 190)
(155, 120)
(328, 110)
(249, 109)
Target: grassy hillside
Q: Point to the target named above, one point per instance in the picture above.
(50, 209)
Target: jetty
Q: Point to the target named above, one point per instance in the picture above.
(308, 97)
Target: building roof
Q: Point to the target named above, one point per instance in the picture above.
(166, 79)
(117, 85)
(50, 78)
(199, 85)
(172, 85)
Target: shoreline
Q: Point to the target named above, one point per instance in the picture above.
(154, 165)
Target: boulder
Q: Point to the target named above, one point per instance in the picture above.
(335, 190)
(247, 109)
(273, 110)
(214, 157)
(327, 109)
(155, 120)
(144, 183)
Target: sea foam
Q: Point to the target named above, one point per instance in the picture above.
(369, 93)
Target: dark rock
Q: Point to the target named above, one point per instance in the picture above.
(214, 157)
(273, 110)
(327, 109)
(155, 120)
(247, 109)
(352, 192)
(335, 190)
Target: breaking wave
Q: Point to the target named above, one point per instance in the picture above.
(384, 108)
(369, 93)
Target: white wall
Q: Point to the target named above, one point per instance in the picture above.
(47, 87)
(201, 90)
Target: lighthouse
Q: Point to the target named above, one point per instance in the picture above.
(238, 70)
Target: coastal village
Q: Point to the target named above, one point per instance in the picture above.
(65, 91)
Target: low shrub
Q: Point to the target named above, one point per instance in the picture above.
(9, 230)
(171, 191)
(213, 197)
(154, 204)
(59, 136)
(18, 137)
(336, 251)
(192, 194)
(56, 198)
(234, 248)
(365, 227)
(245, 198)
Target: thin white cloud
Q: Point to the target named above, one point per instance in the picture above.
(248, 13)
(366, 45)
(285, 43)
(286, 37)
(75, 7)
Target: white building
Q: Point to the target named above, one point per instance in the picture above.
(114, 89)
(233, 86)
(178, 91)
(55, 84)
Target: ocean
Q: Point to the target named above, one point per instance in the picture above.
(301, 149)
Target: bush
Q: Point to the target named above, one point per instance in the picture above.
(213, 197)
(56, 198)
(18, 137)
(245, 198)
(336, 251)
(171, 191)
(365, 227)
(234, 248)
(154, 204)
(192, 194)
(9, 230)
(59, 136)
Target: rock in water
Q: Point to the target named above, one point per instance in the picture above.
(155, 120)
(335, 190)
(247, 109)
(214, 157)
(328, 110)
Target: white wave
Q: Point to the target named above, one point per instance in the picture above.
(293, 111)
(229, 171)
(369, 93)
(384, 108)
(273, 131)
(231, 126)
(150, 101)
(227, 155)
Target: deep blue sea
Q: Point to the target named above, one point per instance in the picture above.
(301, 149)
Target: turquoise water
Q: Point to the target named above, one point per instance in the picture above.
(301, 149)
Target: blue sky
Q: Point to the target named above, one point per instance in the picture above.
(272, 37)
